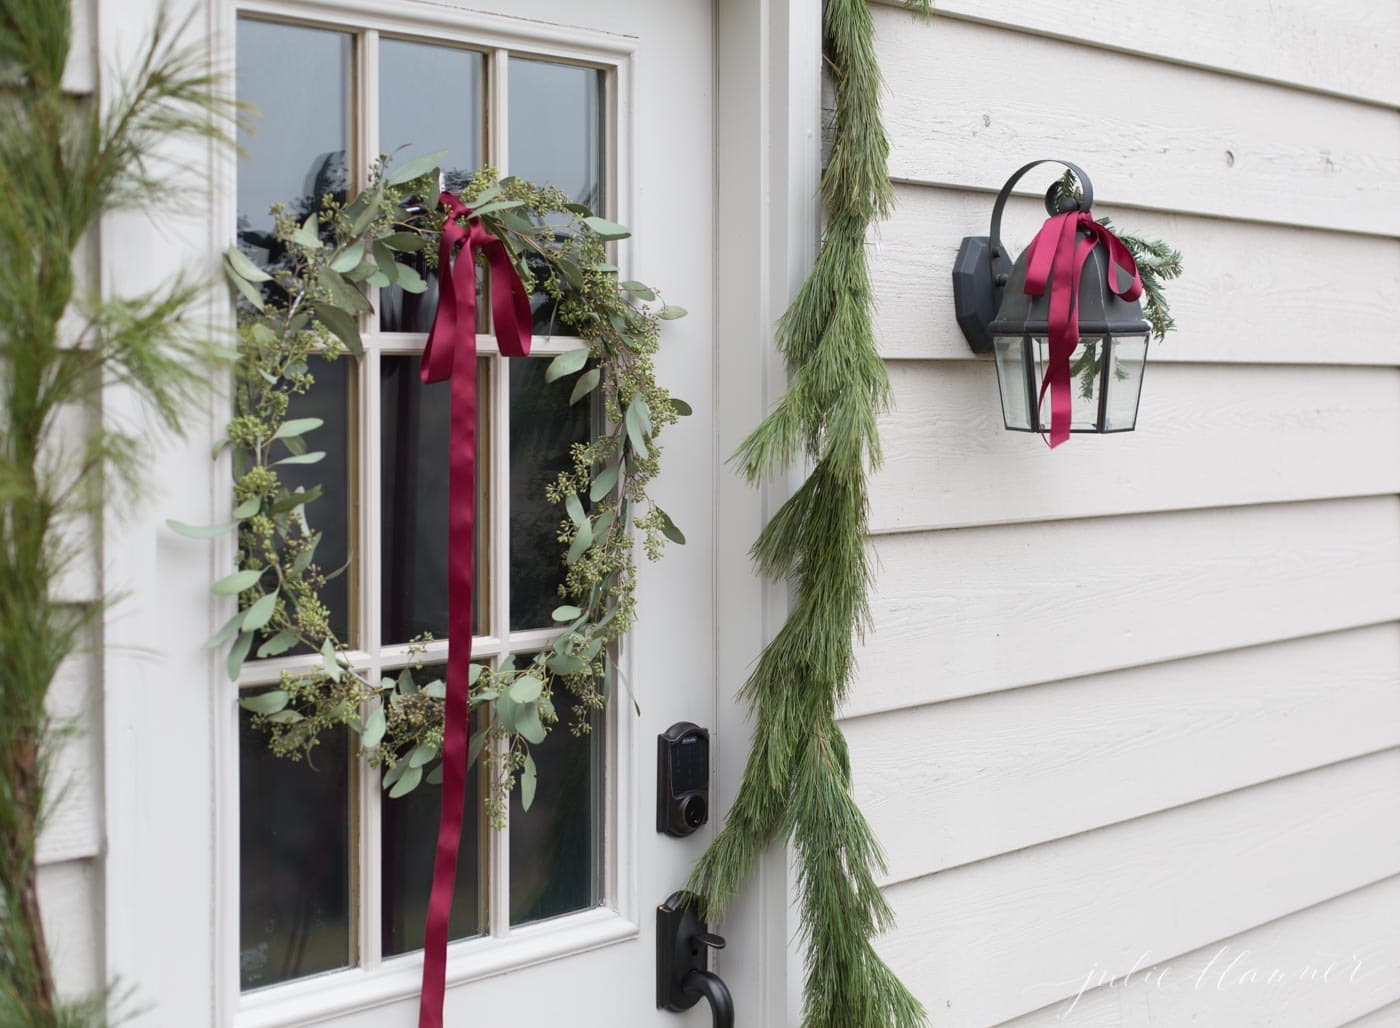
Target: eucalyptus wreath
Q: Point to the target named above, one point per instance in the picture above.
(303, 309)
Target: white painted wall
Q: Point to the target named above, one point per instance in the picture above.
(1136, 702)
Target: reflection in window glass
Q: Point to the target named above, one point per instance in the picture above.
(412, 123)
(556, 139)
(555, 846)
(410, 825)
(543, 426)
(414, 443)
(298, 80)
(294, 863)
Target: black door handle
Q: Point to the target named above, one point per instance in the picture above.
(710, 985)
(683, 977)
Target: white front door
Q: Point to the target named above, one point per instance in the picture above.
(555, 911)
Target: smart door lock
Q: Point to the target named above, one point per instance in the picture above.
(682, 779)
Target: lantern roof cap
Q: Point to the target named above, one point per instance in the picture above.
(1101, 311)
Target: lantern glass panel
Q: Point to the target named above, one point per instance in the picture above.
(1086, 383)
(1012, 376)
(1128, 358)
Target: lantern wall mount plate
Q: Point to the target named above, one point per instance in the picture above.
(998, 315)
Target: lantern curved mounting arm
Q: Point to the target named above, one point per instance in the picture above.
(982, 267)
(1054, 202)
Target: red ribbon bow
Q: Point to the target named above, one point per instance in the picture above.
(451, 354)
(1058, 243)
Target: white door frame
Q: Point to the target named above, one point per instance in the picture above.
(768, 88)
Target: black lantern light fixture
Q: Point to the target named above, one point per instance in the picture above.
(1063, 322)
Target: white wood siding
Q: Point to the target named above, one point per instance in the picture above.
(70, 844)
(1136, 703)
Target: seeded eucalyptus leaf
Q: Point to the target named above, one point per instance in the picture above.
(633, 422)
(314, 457)
(638, 289)
(486, 196)
(567, 664)
(603, 484)
(309, 233)
(343, 294)
(349, 258)
(328, 658)
(344, 326)
(409, 279)
(671, 312)
(421, 754)
(200, 531)
(363, 209)
(668, 527)
(436, 689)
(474, 745)
(260, 613)
(296, 427)
(416, 168)
(380, 280)
(575, 509)
(582, 541)
(231, 585)
(566, 364)
(248, 508)
(529, 725)
(605, 229)
(394, 774)
(278, 644)
(407, 782)
(404, 242)
(224, 634)
(407, 686)
(587, 382)
(250, 292)
(565, 613)
(506, 711)
(243, 267)
(497, 205)
(681, 407)
(528, 779)
(474, 673)
(526, 689)
(266, 702)
(375, 725)
(239, 653)
(434, 777)
(287, 717)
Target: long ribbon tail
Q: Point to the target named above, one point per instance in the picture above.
(451, 355)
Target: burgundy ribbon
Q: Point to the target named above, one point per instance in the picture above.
(1059, 245)
(451, 355)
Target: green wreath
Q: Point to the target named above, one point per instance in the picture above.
(305, 308)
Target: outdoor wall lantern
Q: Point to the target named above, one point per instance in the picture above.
(1064, 321)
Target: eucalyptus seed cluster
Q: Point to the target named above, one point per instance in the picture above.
(303, 308)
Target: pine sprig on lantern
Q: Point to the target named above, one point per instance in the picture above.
(797, 783)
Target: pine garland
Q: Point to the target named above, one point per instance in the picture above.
(798, 778)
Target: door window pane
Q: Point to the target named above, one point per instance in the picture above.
(555, 860)
(414, 120)
(543, 426)
(298, 80)
(410, 826)
(294, 860)
(556, 139)
(415, 442)
(332, 400)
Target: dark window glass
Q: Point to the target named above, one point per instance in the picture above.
(410, 825)
(415, 437)
(294, 869)
(556, 139)
(414, 120)
(329, 399)
(298, 81)
(555, 846)
(543, 426)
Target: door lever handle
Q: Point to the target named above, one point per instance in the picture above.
(683, 977)
(712, 987)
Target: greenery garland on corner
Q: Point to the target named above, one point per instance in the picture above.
(306, 306)
(797, 782)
